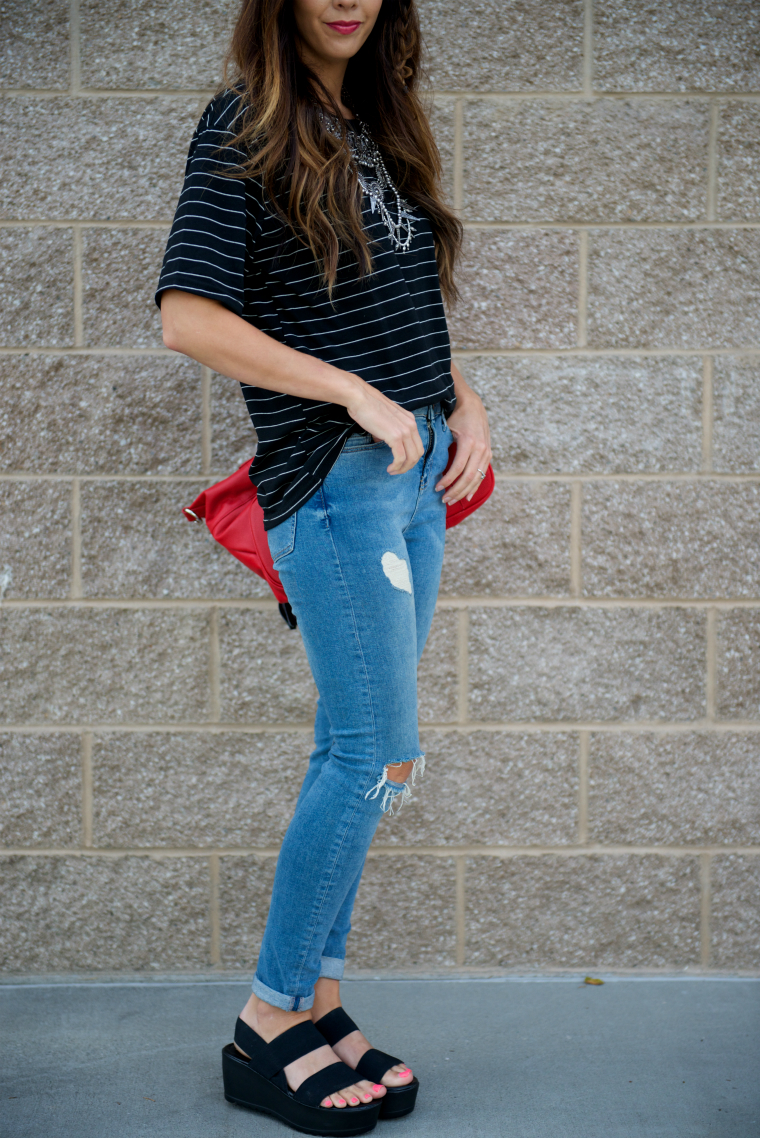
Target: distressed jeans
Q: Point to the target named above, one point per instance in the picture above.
(361, 564)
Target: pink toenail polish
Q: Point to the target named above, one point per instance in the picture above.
(377, 1087)
(341, 1102)
(354, 1100)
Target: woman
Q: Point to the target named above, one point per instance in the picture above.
(306, 260)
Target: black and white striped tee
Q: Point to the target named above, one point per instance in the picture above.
(389, 328)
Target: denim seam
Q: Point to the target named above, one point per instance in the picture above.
(321, 901)
(423, 477)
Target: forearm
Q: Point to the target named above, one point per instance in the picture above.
(462, 390)
(210, 333)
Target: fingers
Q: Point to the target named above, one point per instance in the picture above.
(407, 448)
(390, 423)
(463, 478)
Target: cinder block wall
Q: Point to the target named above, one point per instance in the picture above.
(591, 692)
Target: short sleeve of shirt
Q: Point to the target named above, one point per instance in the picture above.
(206, 250)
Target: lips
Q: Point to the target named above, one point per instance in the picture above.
(345, 27)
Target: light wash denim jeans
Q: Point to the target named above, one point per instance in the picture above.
(361, 564)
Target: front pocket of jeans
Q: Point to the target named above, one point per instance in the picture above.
(360, 441)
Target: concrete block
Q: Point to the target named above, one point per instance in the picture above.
(583, 414)
(697, 788)
(438, 673)
(35, 539)
(491, 788)
(136, 542)
(734, 915)
(41, 803)
(679, 46)
(738, 157)
(112, 415)
(622, 911)
(736, 414)
(108, 159)
(671, 539)
(504, 45)
(225, 790)
(264, 673)
(233, 439)
(34, 50)
(517, 544)
(586, 664)
(404, 927)
(737, 633)
(670, 288)
(606, 160)
(75, 665)
(120, 270)
(172, 44)
(36, 288)
(100, 914)
(245, 886)
(519, 290)
(442, 113)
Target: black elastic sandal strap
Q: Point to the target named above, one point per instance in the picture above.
(336, 1025)
(374, 1064)
(256, 1049)
(326, 1082)
(296, 1042)
(269, 1058)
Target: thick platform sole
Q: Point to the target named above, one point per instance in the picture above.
(244, 1087)
(399, 1101)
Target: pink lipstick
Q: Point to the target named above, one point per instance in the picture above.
(345, 27)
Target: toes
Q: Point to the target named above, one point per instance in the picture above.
(398, 1076)
(370, 1091)
(326, 1102)
(338, 1099)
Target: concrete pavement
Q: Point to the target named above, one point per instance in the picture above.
(553, 1058)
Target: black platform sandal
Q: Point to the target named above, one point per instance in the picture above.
(336, 1025)
(260, 1084)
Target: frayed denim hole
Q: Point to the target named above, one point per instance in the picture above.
(396, 794)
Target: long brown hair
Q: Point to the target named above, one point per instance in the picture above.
(306, 171)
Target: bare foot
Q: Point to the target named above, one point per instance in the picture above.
(269, 1022)
(351, 1048)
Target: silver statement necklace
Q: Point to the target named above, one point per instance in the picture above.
(374, 180)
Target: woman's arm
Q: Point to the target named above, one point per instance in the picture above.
(210, 333)
(469, 426)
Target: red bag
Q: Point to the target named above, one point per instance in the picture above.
(236, 520)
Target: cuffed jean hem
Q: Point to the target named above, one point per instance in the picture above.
(278, 1000)
(331, 967)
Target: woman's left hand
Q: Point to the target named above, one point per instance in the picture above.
(469, 426)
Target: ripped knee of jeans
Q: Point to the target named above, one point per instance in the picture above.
(396, 794)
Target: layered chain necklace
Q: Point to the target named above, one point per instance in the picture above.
(374, 180)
